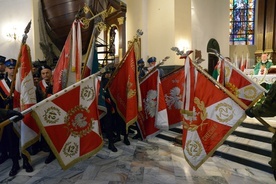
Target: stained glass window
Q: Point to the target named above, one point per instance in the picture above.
(242, 18)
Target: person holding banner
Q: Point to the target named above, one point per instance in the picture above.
(44, 90)
(9, 144)
(152, 62)
(267, 109)
(142, 70)
(5, 114)
(107, 122)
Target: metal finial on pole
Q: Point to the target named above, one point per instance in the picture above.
(26, 31)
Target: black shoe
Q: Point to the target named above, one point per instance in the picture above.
(14, 170)
(50, 158)
(112, 147)
(126, 141)
(27, 166)
(3, 158)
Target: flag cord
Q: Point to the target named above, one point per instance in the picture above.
(238, 101)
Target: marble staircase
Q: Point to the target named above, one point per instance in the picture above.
(249, 144)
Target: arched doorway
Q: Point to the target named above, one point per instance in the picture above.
(212, 59)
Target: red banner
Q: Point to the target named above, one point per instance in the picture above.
(24, 97)
(153, 117)
(209, 117)
(172, 86)
(61, 70)
(71, 128)
(123, 89)
(239, 84)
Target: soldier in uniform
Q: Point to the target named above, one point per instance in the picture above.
(152, 63)
(44, 90)
(267, 109)
(9, 144)
(2, 67)
(108, 122)
(142, 70)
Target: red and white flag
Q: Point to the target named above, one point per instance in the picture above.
(209, 117)
(243, 63)
(71, 128)
(239, 84)
(61, 70)
(24, 98)
(124, 90)
(172, 85)
(153, 117)
(68, 68)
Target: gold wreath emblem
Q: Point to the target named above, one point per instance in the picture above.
(51, 115)
(203, 115)
(225, 112)
(70, 149)
(250, 92)
(194, 148)
(77, 122)
(87, 93)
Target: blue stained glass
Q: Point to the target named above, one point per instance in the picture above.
(242, 17)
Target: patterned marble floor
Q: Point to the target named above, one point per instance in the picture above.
(156, 161)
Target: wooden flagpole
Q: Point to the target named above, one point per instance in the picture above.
(50, 98)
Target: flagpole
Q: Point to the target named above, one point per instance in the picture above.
(50, 98)
(238, 101)
(25, 36)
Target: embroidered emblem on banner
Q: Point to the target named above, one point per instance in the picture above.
(202, 115)
(87, 93)
(174, 99)
(76, 121)
(150, 103)
(250, 92)
(70, 149)
(51, 115)
(130, 92)
(194, 148)
(225, 112)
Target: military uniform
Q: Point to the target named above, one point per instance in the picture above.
(107, 121)
(9, 144)
(267, 109)
(44, 89)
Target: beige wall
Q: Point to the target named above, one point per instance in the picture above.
(15, 15)
(163, 24)
(188, 24)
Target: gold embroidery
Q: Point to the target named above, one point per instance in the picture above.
(194, 148)
(225, 112)
(51, 115)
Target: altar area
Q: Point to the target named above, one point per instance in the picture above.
(267, 78)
